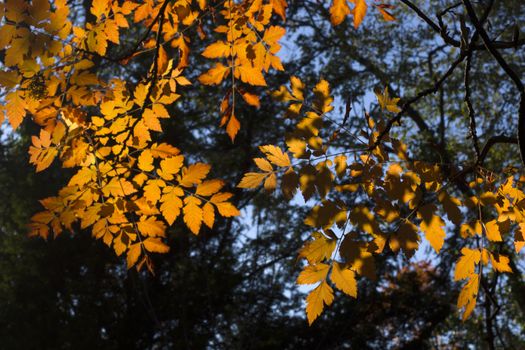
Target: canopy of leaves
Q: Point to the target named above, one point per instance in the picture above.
(107, 93)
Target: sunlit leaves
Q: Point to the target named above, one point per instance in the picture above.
(387, 102)
(397, 201)
(344, 279)
(42, 152)
(340, 9)
(127, 189)
(248, 50)
(313, 274)
(319, 249)
(315, 301)
(433, 226)
(467, 263)
(468, 296)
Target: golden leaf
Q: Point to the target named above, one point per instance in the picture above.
(233, 127)
(194, 174)
(316, 300)
(170, 166)
(385, 101)
(338, 11)
(149, 226)
(208, 188)
(171, 204)
(432, 226)
(146, 161)
(250, 75)
(321, 248)
(344, 279)
(227, 209)
(275, 155)
(16, 108)
(208, 215)
(251, 180)
(500, 263)
(468, 295)
(492, 231)
(193, 214)
(133, 254)
(359, 11)
(466, 264)
(313, 274)
(215, 75)
(155, 245)
(217, 49)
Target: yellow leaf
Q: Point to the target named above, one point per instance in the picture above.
(227, 209)
(251, 99)
(133, 254)
(208, 215)
(215, 75)
(271, 37)
(500, 263)
(171, 204)
(279, 7)
(338, 11)
(9, 79)
(99, 8)
(316, 300)
(270, 183)
(41, 152)
(170, 166)
(432, 226)
(194, 174)
(519, 240)
(323, 100)
(163, 150)
(155, 245)
(16, 108)
(233, 127)
(162, 60)
(217, 49)
(387, 16)
(359, 12)
(386, 102)
(250, 75)
(118, 244)
(152, 190)
(151, 227)
(275, 155)
(492, 231)
(344, 279)
(313, 274)
(468, 295)
(118, 188)
(83, 176)
(146, 161)
(466, 265)
(208, 188)
(251, 180)
(220, 197)
(193, 214)
(263, 164)
(321, 248)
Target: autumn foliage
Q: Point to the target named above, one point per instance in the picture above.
(127, 187)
